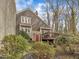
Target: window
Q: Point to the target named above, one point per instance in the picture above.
(25, 19)
(29, 30)
(29, 20)
(22, 19)
(23, 28)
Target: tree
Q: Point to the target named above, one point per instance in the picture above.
(67, 18)
(14, 46)
(54, 6)
(47, 11)
(72, 5)
(64, 12)
(7, 17)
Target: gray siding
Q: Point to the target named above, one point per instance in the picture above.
(36, 21)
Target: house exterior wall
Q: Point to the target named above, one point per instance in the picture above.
(7, 18)
(36, 21)
(24, 23)
(34, 26)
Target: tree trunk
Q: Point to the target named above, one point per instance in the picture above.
(72, 22)
(7, 18)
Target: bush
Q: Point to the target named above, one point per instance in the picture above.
(43, 51)
(61, 40)
(14, 46)
(67, 39)
(74, 39)
(67, 42)
(24, 34)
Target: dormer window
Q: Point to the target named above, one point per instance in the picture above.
(25, 19)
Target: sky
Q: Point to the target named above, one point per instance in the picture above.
(35, 5)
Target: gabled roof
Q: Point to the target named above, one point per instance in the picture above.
(22, 11)
(28, 10)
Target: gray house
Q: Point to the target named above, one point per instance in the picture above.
(29, 21)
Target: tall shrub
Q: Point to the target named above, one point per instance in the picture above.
(14, 46)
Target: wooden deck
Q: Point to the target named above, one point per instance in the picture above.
(50, 36)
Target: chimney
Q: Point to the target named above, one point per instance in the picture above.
(36, 13)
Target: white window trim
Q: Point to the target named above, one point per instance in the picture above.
(22, 19)
(25, 19)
